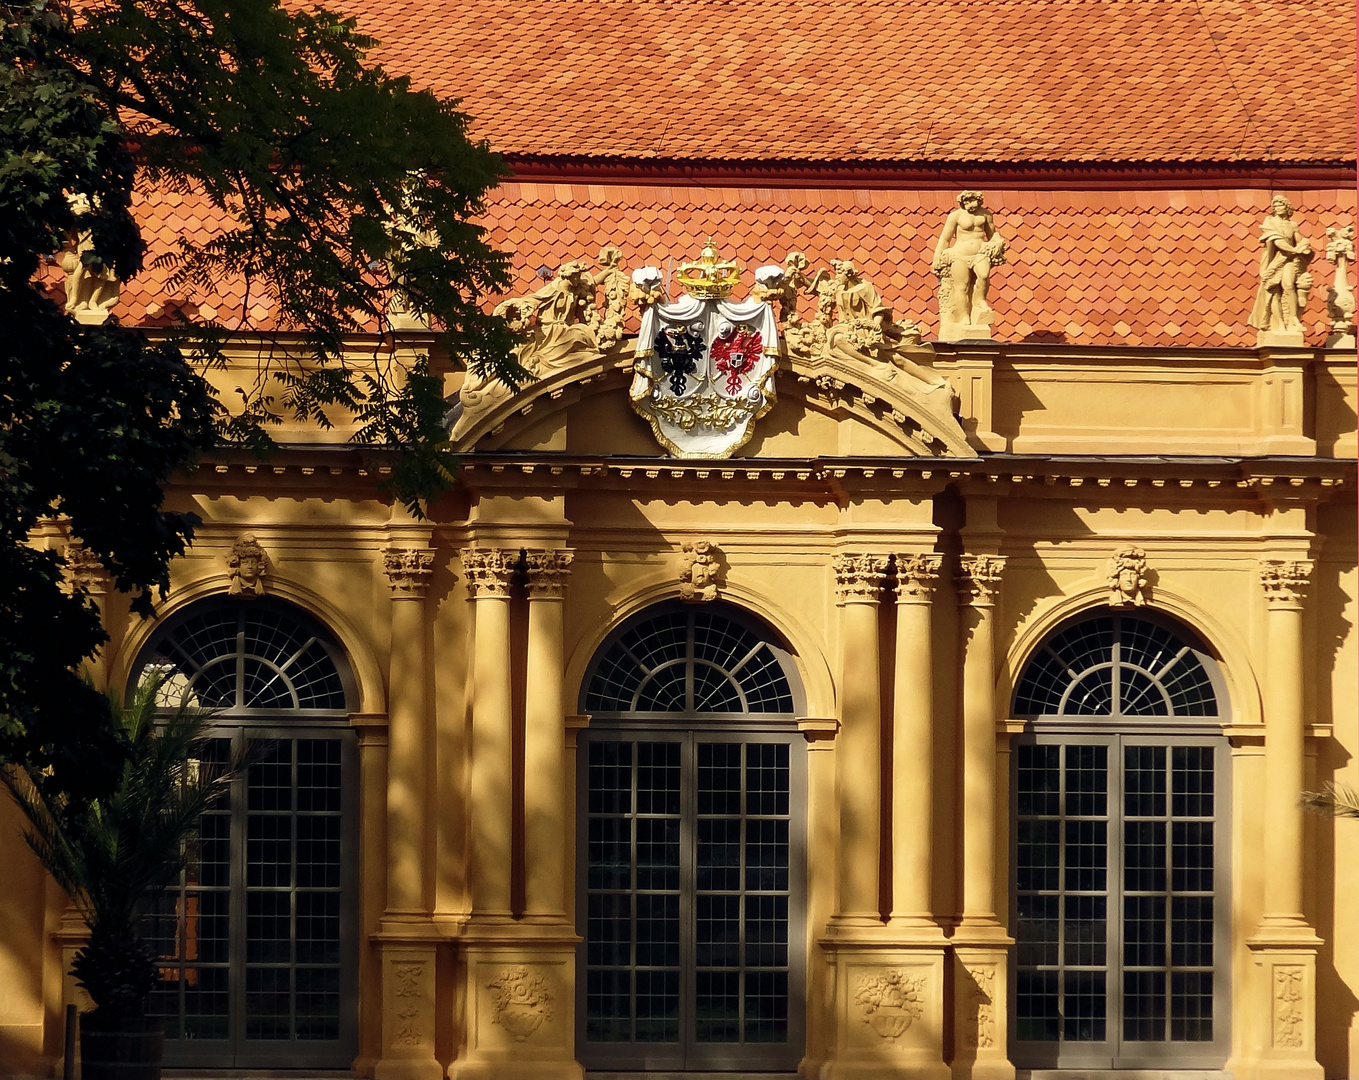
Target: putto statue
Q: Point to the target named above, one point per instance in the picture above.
(615, 285)
(1284, 280)
(852, 323)
(699, 570)
(556, 321)
(1340, 303)
(967, 249)
(91, 289)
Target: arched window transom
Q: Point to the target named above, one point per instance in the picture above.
(1116, 666)
(248, 656)
(693, 661)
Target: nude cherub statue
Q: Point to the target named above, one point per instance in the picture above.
(967, 249)
(91, 290)
(1284, 280)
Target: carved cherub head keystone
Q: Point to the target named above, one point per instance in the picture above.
(1127, 577)
(699, 571)
(246, 566)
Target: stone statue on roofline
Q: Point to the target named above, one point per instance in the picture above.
(1284, 281)
(968, 248)
(852, 323)
(1340, 304)
(556, 324)
(615, 286)
(91, 287)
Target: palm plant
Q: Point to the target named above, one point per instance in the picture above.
(1334, 800)
(116, 856)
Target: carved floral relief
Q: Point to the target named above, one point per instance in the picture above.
(522, 1001)
(891, 1001)
(699, 571)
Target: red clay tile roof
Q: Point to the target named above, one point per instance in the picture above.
(1117, 267)
(888, 80)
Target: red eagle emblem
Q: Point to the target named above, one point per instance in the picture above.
(735, 353)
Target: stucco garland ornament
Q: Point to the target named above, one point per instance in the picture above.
(704, 369)
(246, 567)
(522, 1001)
(1127, 577)
(891, 1002)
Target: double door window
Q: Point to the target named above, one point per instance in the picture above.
(691, 901)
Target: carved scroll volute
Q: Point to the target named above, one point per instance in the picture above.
(489, 571)
(548, 573)
(408, 570)
(859, 578)
(978, 579)
(917, 576)
(1285, 581)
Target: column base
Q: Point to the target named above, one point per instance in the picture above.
(408, 1010)
(889, 1007)
(1284, 992)
(518, 1002)
(980, 1013)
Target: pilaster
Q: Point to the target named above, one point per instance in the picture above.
(981, 947)
(1285, 946)
(406, 938)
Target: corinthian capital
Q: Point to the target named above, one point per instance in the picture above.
(978, 579)
(547, 573)
(917, 575)
(84, 570)
(408, 570)
(489, 571)
(859, 578)
(1285, 581)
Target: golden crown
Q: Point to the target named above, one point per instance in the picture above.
(709, 278)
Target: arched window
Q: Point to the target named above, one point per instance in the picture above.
(690, 889)
(1120, 893)
(258, 942)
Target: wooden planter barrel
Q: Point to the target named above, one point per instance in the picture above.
(120, 1049)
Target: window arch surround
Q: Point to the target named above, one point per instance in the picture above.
(1134, 667)
(255, 658)
(707, 661)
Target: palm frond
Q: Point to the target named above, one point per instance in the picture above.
(1333, 800)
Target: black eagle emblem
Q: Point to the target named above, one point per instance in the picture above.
(680, 349)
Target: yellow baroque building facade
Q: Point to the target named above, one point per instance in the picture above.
(822, 681)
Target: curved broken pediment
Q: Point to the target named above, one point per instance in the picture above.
(914, 415)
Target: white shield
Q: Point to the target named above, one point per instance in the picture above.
(704, 373)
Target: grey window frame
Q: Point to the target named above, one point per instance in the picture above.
(239, 724)
(689, 729)
(1118, 731)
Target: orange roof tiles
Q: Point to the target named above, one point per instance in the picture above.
(888, 81)
(1095, 267)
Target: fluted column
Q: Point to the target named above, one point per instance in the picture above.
(1285, 584)
(489, 572)
(913, 743)
(545, 737)
(978, 583)
(408, 572)
(858, 583)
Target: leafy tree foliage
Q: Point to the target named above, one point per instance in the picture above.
(335, 183)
